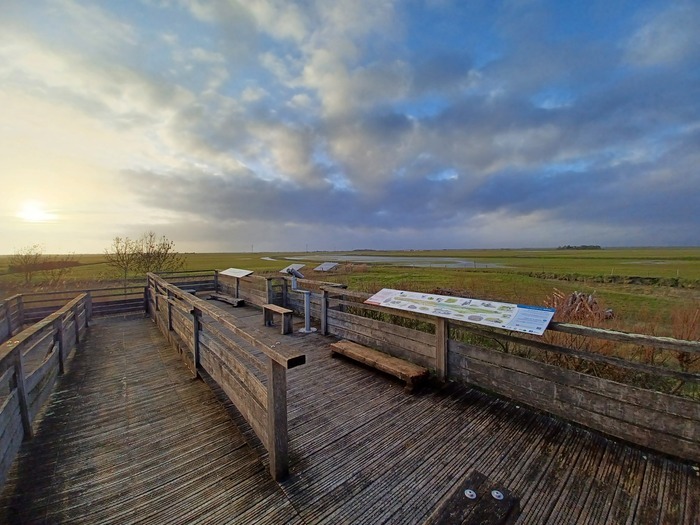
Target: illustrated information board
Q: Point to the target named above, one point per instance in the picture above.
(516, 317)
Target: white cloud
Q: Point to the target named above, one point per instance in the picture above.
(666, 37)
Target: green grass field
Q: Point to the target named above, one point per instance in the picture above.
(526, 276)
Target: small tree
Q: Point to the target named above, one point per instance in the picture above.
(26, 261)
(122, 256)
(147, 254)
(158, 255)
(56, 267)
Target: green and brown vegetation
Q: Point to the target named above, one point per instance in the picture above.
(647, 288)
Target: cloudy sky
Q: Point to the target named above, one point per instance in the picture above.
(343, 124)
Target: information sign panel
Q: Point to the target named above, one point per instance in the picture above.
(295, 266)
(516, 317)
(325, 267)
(235, 272)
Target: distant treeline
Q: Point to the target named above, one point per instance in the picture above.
(580, 247)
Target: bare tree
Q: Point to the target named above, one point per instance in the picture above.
(56, 267)
(26, 261)
(123, 256)
(147, 254)
(158, 255)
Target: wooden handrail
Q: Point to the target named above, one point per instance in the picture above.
(667, 343)
(30, 386)
(263, 405)
(287, 360)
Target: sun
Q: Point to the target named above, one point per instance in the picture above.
(35, 211)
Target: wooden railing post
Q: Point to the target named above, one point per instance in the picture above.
(170, 311)
(285, 292)
(58, 340)
(77, 324)
(216, 281)
(88, 308)
(268, 290)
(324, 312)
(277, 420)
(196, 326)
(441, 346)
(6, 315)
(20, 312)
(22, 392)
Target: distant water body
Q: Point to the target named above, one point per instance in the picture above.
(420, 262)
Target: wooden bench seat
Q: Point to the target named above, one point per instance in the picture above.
(286, 313)
(233, 301)
(408, 372)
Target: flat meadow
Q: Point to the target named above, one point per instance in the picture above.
(648, 289)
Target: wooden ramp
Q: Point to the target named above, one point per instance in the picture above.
(130, 438)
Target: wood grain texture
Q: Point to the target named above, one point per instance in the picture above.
(406, 371)
(599, 404)
(130, 438)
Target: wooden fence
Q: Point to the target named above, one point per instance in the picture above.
(512, 366)
(252, 374)
(11, 316)
(30, 361)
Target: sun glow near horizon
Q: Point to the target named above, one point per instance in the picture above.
(35, 211)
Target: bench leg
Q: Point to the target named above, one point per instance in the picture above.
(267, 317)
(287, 323)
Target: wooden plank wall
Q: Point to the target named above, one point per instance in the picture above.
(104, 301)
(252, 375)
(662, 422)
(252, 289)
(667, 423)
(11, 316)
(348, 318)
(29, 365)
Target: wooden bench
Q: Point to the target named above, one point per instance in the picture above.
(408, 372)
(233, 301)
(286, 314)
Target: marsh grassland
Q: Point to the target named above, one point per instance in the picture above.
(650, 290)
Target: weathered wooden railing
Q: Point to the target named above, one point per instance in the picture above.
(30, 361)
(507, 364)
(11, 316)
(252, 374)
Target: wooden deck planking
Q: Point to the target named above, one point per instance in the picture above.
(129, 437)
(362, 450)
(559, 470)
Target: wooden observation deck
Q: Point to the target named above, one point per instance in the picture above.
(198, 413)
(130, 437)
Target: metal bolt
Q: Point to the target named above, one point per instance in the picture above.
(470, 494)
(497, 494)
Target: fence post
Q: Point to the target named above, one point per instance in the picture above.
(6, 310)
(268, 290)
(324, 311)
(58, 339)
(22, 392)
(170, 311)
(77, 325)
(196, 326)
(146, 301)
(88, 308)
(277, 420)
(20, 312)
(441, 344)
